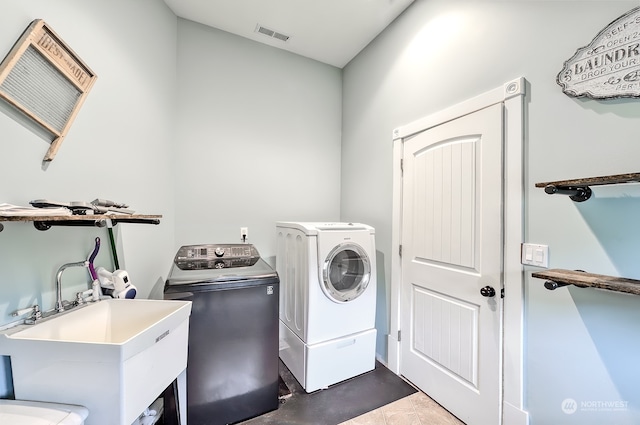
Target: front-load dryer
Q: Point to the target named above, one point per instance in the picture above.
(327, 300)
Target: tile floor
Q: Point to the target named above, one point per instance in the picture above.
(415, 409)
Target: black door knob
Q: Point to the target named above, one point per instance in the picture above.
(488, 291)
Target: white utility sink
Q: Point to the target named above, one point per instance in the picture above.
(115, 356)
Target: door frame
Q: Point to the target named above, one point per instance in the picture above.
(512, 94)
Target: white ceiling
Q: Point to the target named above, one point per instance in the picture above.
(329, 31)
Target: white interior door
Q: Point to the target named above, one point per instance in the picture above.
(452, 239)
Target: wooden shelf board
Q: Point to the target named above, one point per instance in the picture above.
(596, 181)
(590, 280)
(81, 217)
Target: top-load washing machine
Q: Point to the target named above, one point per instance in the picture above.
(327, 300)
(232, 367)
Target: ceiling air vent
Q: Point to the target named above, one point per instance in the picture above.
(271, 33)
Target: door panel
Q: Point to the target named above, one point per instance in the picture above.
(444, 191)
(452, 242)
(446, 333)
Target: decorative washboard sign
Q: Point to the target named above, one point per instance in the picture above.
(609, 67)
(45, 81)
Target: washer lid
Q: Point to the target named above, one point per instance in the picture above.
(16, 412)
(259, 270)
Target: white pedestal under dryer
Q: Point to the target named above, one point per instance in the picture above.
(327, 300)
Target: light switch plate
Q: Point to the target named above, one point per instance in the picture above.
(535, 255)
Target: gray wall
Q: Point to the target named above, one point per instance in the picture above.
(580, 343)
(119, 148)
(210, 130)
(177, 106)
(259, 133)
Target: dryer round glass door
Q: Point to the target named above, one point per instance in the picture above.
(346, 272)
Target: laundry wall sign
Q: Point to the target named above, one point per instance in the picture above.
(609, 67)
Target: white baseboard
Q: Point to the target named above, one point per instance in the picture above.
(514, 415)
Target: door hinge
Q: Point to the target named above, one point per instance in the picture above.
(401, 167)
(399, 335)
(502, 293)
(400, 250)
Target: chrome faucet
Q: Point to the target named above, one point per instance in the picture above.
(59, 304)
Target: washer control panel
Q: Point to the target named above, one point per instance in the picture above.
(216, 256)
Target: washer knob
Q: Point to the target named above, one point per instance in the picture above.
(219, 251)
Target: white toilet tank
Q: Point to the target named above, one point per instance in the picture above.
(18, 412)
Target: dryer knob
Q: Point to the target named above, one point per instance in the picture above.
(219, 251)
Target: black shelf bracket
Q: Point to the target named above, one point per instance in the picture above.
(135, 220)
(575, 193)
(46, 225)
(552, 285)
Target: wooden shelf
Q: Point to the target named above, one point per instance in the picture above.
(578, 189)
(558, 277)
(46, 222)
(596, 181)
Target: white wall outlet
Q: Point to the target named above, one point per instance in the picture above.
(535, 255)
(244, 234)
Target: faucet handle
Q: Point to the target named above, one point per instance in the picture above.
(25, 310)
(81, 297)
(34, 310)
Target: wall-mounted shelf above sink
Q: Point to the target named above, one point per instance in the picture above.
(46, 222)
(578, 190)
